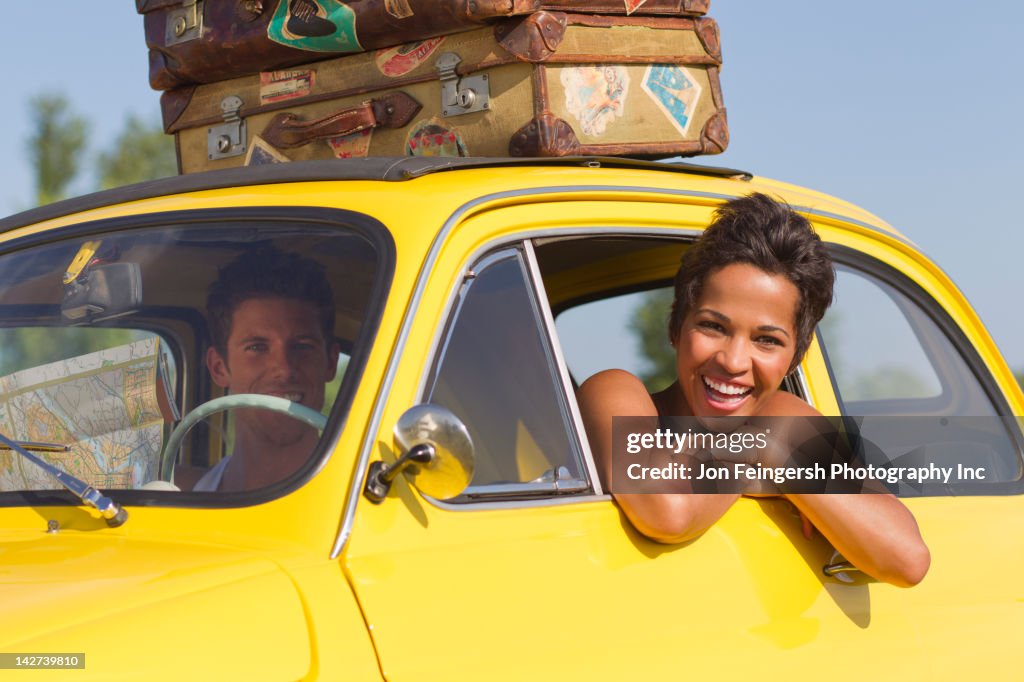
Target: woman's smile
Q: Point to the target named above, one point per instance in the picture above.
(726, 395)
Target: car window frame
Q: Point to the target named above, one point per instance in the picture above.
(452, 301)
(374, 232)
(524, 493)
(873, 268)
(878, 270)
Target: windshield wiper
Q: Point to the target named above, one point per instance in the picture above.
(114, 514)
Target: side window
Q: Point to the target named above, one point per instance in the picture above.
(628, 331)
(906, 374)
(496, 371)
(888, 356)
(104, 340)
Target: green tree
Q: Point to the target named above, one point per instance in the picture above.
(649, 324)
(25, 347)
(141, 152)
(887, 382)
(55, 146)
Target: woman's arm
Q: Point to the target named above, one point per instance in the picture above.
(663, 517)
(875, 532)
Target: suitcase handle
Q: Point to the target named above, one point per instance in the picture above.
(286, 130)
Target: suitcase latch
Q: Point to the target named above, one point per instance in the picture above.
(227, 139)
(461, 95)
(184, 23)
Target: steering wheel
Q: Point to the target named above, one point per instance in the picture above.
(265, 402)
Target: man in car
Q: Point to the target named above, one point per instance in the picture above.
(271, 316)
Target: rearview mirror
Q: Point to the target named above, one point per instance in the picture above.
(103, 292)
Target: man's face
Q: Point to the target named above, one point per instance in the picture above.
(275, 347)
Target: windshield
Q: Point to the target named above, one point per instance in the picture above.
(110, 339)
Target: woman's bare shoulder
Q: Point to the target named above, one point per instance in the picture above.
(784, 404)
(615, 378)
(616, 391)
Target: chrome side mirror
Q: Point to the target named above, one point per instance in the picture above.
(435, 454)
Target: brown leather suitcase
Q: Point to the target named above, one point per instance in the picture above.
(205, 41)
(547, 84)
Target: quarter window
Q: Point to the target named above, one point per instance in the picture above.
(888, 356)
(912, 384)
(497, 372)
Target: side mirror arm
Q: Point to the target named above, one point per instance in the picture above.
(381, 475)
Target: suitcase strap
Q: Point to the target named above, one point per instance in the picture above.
(286, 130)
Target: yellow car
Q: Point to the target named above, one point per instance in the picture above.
(448, 523)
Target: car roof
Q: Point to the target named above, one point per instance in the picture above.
(399, 169)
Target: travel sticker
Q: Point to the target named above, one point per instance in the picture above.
(352, 146)
(433, 138)
(398, 61)
(595, 95)
(315, 25)
(261, 153)
(675, 91)
(399, 9)
(278, 86)
(633, 5)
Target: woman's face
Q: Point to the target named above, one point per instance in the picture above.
(736, 344)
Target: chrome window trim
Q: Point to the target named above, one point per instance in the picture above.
(568, 393)
(801, 382)
(505, 505)
(525, 489)
(373, 425)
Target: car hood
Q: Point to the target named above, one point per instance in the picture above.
(125, 603)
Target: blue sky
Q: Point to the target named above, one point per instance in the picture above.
(913, 112)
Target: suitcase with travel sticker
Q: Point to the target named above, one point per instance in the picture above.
(205, 41)
(547, 84)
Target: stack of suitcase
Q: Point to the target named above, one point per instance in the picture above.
(264, 81)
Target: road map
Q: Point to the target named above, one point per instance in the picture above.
(109, 406)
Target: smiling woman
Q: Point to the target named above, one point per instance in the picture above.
(748, 296)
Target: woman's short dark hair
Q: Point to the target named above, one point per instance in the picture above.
(267, 272)
(759, 231)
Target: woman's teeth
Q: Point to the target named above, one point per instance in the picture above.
(726, 392)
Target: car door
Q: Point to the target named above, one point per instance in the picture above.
(534, 571)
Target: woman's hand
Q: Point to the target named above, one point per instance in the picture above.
(806, 525)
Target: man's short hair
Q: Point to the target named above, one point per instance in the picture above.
(267, 272)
